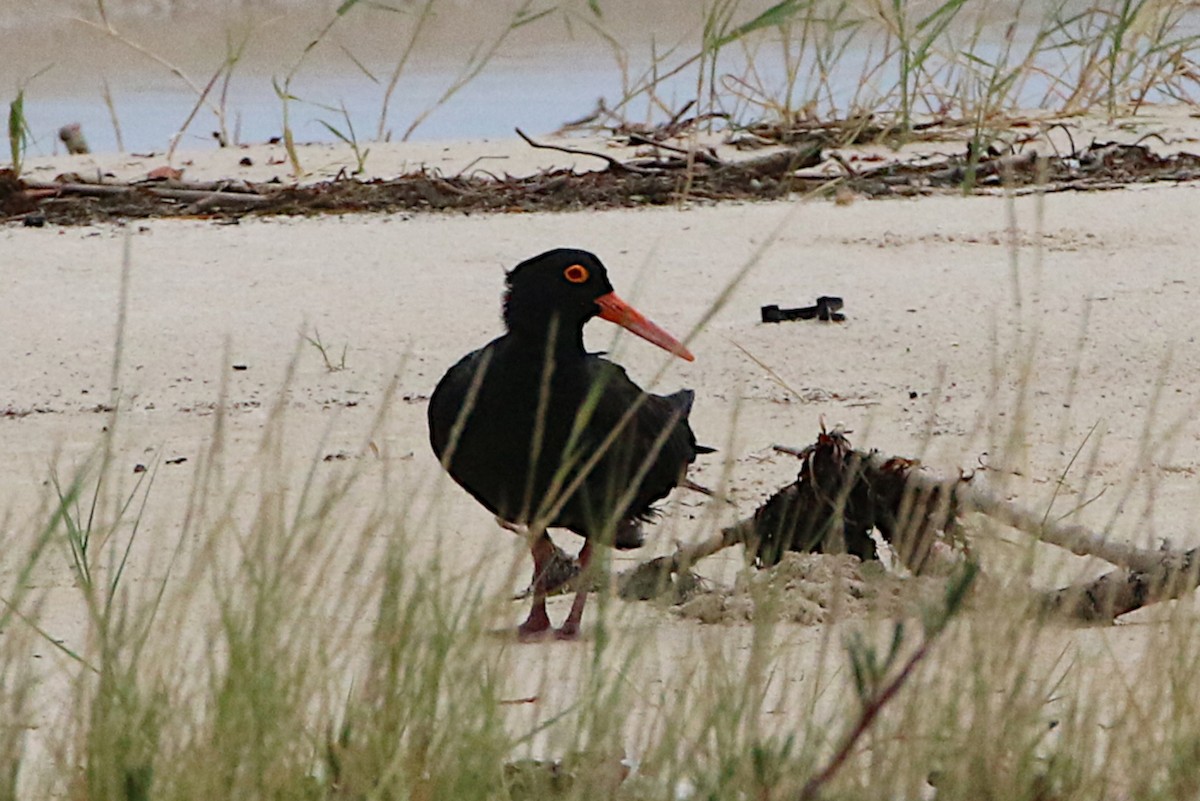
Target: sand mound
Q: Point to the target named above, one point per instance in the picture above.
(813, 588)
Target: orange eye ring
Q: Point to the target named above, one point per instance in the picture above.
(576, 274)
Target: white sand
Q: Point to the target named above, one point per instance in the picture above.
(1098, 300)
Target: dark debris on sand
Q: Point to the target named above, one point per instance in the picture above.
(823, 522)
(669, 176)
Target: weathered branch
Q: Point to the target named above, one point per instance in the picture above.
(615, 164)
(199, 196)
(841, 495)
(1114, 594)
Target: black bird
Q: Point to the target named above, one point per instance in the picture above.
(547, 435)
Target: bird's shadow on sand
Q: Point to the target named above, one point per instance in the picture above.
(549, 636)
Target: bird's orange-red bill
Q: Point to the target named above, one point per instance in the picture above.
(615, 310)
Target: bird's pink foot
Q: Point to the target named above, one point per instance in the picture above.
(568, 631)
(533, 634)
(537, 625)
(528, 633)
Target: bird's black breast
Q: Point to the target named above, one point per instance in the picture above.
(602, 443)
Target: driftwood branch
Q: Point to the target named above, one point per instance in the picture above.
(1143, 576)
(1078, 539)
(206, 197)
(637, 182)
(780, 163)
(699, 156)
(843, 495)
(615, 164)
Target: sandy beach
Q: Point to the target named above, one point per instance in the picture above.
(231, 565)
(953, 304)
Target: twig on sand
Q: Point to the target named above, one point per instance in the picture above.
(866, 717)
(874, 692)
(615, 164)
(702, 156)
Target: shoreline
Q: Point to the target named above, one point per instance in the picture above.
(580, 173)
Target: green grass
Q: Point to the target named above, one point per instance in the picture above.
(900, 62)
(19, 135)
(278, 630)
(289, 637)
(18, 131)
(887, 63)
(350, 138)
(331, 364)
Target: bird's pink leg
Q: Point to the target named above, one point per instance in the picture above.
(570, 627)
(538, 621)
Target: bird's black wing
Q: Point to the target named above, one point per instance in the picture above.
(653, 447)
(448, 399)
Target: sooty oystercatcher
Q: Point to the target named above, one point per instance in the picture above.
(547, 435)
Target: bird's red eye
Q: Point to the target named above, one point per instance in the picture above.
(576, 273)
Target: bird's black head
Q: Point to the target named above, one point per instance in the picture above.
(566, 288)
(563, 283)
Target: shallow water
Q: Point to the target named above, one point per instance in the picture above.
(542, 75)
